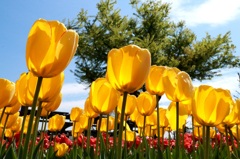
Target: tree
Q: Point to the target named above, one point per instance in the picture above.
(170, 43)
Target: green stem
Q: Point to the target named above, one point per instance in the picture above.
(162, 146)
(134, 130)
(227, 142)
(98, 134)
(237, 136)
(22, 129)
(3, 111)
(43, 129)
(88, 135)
(232, 141)
(115, 130)
(193, 139)
(158, 120)
(33, 110)
(119, 148)
(177, 131)
(198, 128)
(220, 141)
(207, 143)
(144, 123)
(74, 149)
(4, 127)
(125, 141)
(35, 130)
(169, 137)
(107, 132)
(74, 126)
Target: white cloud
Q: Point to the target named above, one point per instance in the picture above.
(66, 106)
(228, 80)
(212, 12)
(74, 94)
(74, 88)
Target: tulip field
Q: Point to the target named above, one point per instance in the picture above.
(130, 92)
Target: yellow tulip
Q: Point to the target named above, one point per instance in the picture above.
(83, 120)
(187, 104)
(8, 133)
(236, 131)
(129, 135)
(196, 124)
(128, 68)
(177, 85)
(9, 120)
(210, 105)
(171, 115)
(50, 87)
(56, 122)
(50, 48)
(163, 120)
(7, 90)
(131, 103)
(77, 131)
(134, 115)
(146, 103)
(103, 96)
(221, 128)
(80, 125)
(16, 127)
(61, 149)
(111, 123)
(26, 121)
(14, 106)
(54, 104)
(237, 110)
(44, 112)
(154, 84)
(75, 114)
(232, 118)
(152, 119)
(88, 109)
(140, 121)
(103, 127)
(22, 91)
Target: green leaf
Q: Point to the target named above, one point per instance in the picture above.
(10, 154)
(50, 153)
(103, 150)
(2, 150)
(20, 150)
(91, 152)
(36, 149)
(167, 153)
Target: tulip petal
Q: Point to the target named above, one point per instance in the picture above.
(38, 43)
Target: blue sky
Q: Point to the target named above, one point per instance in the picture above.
(201, 16)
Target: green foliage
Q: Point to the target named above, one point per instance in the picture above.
(10, 153)
(170, 43)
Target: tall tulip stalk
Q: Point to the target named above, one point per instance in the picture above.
(154, 86)
(58, 46)
(178, 87)
(210, 107)
(127, 71)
